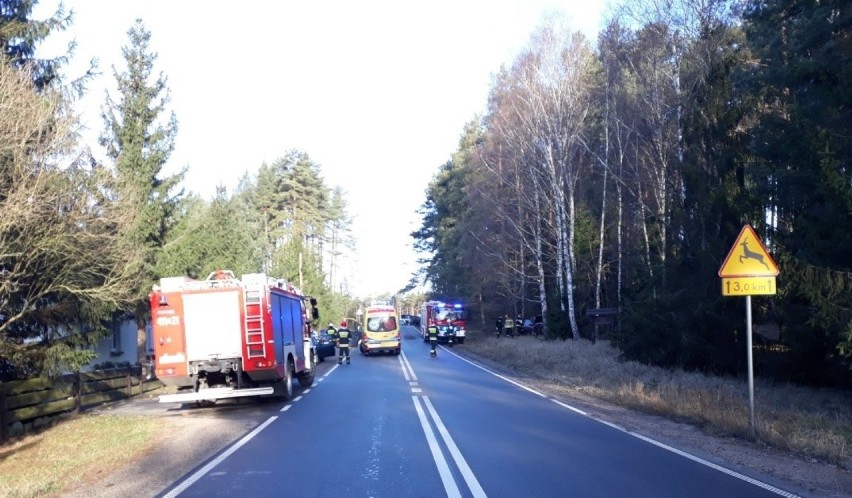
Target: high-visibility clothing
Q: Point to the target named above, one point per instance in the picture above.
(433, 332)
(343, 338)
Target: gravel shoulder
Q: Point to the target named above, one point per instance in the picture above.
(187, 439)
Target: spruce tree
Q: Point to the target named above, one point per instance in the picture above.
(140, 142)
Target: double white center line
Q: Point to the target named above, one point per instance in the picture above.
(446, 474)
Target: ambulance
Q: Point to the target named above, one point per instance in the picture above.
(380, 330)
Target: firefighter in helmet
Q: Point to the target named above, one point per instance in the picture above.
(343, 335)
(432, 329)
(331, 331)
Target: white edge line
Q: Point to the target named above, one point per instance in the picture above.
(664, 446)
(180, 488)
(450, 485)
(461, 463)
(712, 465)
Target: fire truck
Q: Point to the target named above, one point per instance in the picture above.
(442, 314)
(225, 337)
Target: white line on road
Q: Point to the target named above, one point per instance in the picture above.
(461, 463)
(180, 488)
(329, 372)
(443, 469)
(684, 454)
(407, 371)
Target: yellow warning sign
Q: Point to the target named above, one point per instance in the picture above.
(748, 258)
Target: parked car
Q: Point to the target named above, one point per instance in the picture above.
(324, 346)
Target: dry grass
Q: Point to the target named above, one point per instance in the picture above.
(71, 453)
(815, 422)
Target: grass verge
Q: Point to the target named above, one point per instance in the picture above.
(77, 450)
(809, 421)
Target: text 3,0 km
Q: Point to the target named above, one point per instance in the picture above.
(748, 286)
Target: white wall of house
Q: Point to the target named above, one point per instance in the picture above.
(121, 346)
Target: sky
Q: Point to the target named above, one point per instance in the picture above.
(375, 92)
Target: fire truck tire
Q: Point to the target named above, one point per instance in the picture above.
(461, 340)
(287, 388)
(306, 379)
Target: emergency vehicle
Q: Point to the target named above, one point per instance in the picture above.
(381, 330)
(441, 314)
(225, 337)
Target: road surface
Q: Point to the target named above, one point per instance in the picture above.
(411, 425)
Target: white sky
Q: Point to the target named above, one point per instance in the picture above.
(376, 92)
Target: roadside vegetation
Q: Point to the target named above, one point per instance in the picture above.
(77, 450)
(810, 421)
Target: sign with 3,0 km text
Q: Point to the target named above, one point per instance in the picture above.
(748, 286)
(748, 270)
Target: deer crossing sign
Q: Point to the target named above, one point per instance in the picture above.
(748, 269)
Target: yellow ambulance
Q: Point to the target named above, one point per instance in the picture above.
(380, 330)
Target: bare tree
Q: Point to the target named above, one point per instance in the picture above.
(62, 260)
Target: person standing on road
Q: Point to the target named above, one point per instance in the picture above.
(332, 334)
(432, 330)
(519, 325)
(509, 326)
(499, 325)
(343, 343)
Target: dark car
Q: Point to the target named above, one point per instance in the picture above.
(324, 346)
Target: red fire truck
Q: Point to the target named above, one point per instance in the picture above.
(225, 337)
(442, 314)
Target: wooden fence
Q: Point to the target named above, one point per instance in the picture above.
(29, 404)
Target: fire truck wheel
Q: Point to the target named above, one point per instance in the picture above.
(287, 393)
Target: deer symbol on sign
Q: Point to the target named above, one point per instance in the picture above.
(747, 254)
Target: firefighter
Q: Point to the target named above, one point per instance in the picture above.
(499, 325)
(509, 326)
(332, 334)
(433, 338)
(343, 343)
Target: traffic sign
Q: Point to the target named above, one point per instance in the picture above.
(748, 258)
(748, 286)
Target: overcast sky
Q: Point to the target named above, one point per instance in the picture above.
(376, 92)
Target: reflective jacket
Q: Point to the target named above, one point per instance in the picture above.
(343, 338)
(433, 332)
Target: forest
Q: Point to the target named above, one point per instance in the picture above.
(612, 173)
(617, 174)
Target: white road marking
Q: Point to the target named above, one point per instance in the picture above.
(407, 371)
(180, 488)
(443, 469)
(664, 446)
(287, 407)
(461, 463)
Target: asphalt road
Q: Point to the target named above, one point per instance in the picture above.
(411, 425)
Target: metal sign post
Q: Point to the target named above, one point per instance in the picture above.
(746, 272)
(750, 367)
